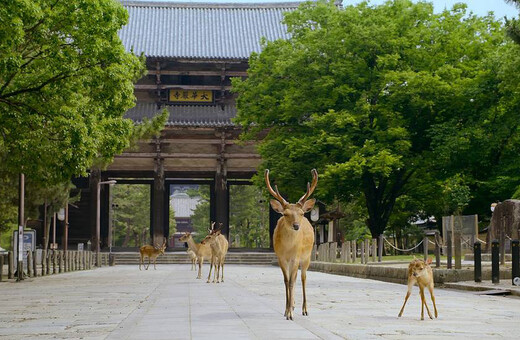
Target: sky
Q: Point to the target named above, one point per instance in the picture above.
(479, 7)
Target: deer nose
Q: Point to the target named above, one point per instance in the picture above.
(296, 226)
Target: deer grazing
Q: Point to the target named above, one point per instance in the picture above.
(193, 258)
(293, 240)
(201, 250)
(420, 273)
(152, 253)
(219, 247)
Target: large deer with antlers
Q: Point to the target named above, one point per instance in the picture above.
(152, 252)
(293, 240)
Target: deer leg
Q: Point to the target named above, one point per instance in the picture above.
(201, 260)
(430, 288)
(148, 263)
(292, 280)
(217, 271)
(423, 298)
(305, 265)
(154, 262)
(211, 262)
(286, 282)
(410, 285)
(222, 274)
(140, 261)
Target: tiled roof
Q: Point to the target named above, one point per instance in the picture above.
(186, 115)
(202, 30)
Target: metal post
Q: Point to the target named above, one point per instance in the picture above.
(380, 249)
(21, 224)
(66, 237)
(437, 250)
(35, 264)
(98, 225)
(29, 263)
(10, 265)
(1, 266)
(495, 269)
(477, 259)
(425, 247)
(448, 249)
(515, 257)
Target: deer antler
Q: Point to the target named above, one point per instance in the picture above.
(275, 194)
(212, 227)
(310, 187)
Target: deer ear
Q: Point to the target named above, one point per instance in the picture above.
(277, 206)
(308, 205)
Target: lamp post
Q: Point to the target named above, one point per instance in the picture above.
(98, 217)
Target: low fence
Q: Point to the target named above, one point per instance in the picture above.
(42, 263)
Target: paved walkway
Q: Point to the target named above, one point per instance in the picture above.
(123, 303)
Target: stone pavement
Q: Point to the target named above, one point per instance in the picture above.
(169, 303)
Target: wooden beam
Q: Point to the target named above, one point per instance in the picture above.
(188, 155)
(180, 87)
(216, 73)
(194, 141)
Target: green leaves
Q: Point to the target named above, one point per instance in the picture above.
(375, 97)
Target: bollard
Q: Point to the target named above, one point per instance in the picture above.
(49, 262)
(112, 259)
(448, 249)
(10, 265)
(477, 259)
(374, 249)
(437, 250)
(1, 267)
(362, 249)
(495, 269)
(54, 261)
(367, 249)
(380, 248)
(35, 264)
(354, 251)
(333, 252)
(515, 257)
(425, 248)
(44, 257)
(458, 249)
(29, 263)
(348, 256)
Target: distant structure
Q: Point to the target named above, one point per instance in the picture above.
(192, 51)
(183, 206)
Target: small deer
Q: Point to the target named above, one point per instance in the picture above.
(420, 273)
(193, 258)
(219, 246)
(293, 239)
(201, 250)
(152, 253)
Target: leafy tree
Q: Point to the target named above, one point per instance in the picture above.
(381, 99)
(249, 217)
(513, 26)
(132, 216)
(65, 83)
(200, 218)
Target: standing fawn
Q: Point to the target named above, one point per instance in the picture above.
(293, 239)
(420, 273)
(219, 246)
(193, 258)
(201, 250)
(152, 253)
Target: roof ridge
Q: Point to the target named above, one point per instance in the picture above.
(238, 5)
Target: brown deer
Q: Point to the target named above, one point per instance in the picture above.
(201, 250)
(293, 239)
(152, 253)
(193, 258)
(420, 273)
(219, 246)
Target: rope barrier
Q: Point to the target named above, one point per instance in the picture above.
(391, 245)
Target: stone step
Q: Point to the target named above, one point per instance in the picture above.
(132, 258)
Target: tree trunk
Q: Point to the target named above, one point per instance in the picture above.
(127, 236)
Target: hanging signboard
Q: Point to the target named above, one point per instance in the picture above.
(191, 96)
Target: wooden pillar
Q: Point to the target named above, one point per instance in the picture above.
(158, 203)
(95, 178)
(222, 203)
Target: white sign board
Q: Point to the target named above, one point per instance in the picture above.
(80, 246)
(26, 237)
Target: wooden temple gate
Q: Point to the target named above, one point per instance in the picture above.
(193, 51)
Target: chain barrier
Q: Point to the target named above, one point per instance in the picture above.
(391, 245)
